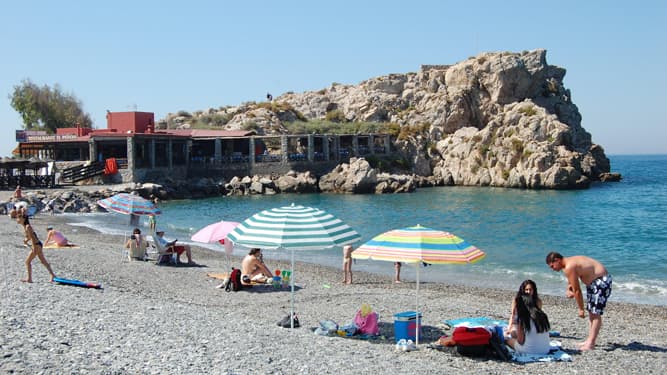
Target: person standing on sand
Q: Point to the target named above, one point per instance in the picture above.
(36, 249)
(347, 264)
(17, 193)
(397, 272)
(598, 289)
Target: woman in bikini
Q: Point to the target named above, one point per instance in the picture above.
(36, 249)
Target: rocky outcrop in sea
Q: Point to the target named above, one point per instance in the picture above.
(497, 119)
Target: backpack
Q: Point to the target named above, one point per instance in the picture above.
(471, 341)
(497, 348)
(234, 281)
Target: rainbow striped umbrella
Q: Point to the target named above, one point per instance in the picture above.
(419, 245)
(129, 204)
(293, 228)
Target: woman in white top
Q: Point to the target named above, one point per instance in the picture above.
(532, 328)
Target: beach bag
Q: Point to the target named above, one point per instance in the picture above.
(366, 321)
(497, 348)
(471, 341)
(285, 322)
(234, 283)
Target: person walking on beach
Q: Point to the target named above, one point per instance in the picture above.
(347, 264)
(598, 289)
(36, 245)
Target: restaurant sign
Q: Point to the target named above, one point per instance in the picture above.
(23, 136)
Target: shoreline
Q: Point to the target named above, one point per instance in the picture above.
(162, 319)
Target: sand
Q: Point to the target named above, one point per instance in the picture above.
(173, 320)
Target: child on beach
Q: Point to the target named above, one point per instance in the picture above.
(36, 249)
(397, 272)
(347, 264)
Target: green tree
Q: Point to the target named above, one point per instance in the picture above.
(47, 108)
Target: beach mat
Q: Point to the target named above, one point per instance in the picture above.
(72, 282)
(556, 354)
(61, 247)
(483, 321)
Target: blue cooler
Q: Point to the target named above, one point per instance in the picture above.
(405, 325)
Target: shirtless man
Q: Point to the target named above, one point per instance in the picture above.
(598, 289)
(254, 269)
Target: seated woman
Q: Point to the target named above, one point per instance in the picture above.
(532, 328)
(137, 246)
(253, 268)
(529, 288)
(55, 238)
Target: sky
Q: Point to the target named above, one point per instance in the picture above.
(166, 56)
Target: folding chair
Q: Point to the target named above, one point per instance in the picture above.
(165, 256)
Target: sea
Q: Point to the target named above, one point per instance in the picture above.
(621, 224)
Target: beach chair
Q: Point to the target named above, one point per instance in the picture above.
(164, 256)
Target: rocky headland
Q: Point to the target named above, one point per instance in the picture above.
(497, 119)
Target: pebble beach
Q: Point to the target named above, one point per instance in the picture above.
(150, 319)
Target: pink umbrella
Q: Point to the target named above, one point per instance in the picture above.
(216, 232)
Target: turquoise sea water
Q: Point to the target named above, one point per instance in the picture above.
(624, 225)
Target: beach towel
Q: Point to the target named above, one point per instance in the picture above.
(555, 354)
(481, 321)
(61, 247)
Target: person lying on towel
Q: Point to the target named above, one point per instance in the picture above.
(253, 268)
(55, 238)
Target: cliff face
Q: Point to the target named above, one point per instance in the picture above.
(497, 119)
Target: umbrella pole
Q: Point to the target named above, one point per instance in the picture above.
(291, 279)
(417, 320)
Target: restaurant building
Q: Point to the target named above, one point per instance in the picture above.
(140, 152)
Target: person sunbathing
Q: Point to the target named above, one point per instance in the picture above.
(253, 268)
(55, 238)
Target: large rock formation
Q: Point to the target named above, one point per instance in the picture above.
(497, 119)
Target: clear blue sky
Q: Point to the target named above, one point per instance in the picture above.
(166, 56)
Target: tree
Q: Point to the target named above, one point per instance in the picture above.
(47, 108)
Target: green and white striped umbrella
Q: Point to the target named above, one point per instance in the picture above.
(293, 228)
